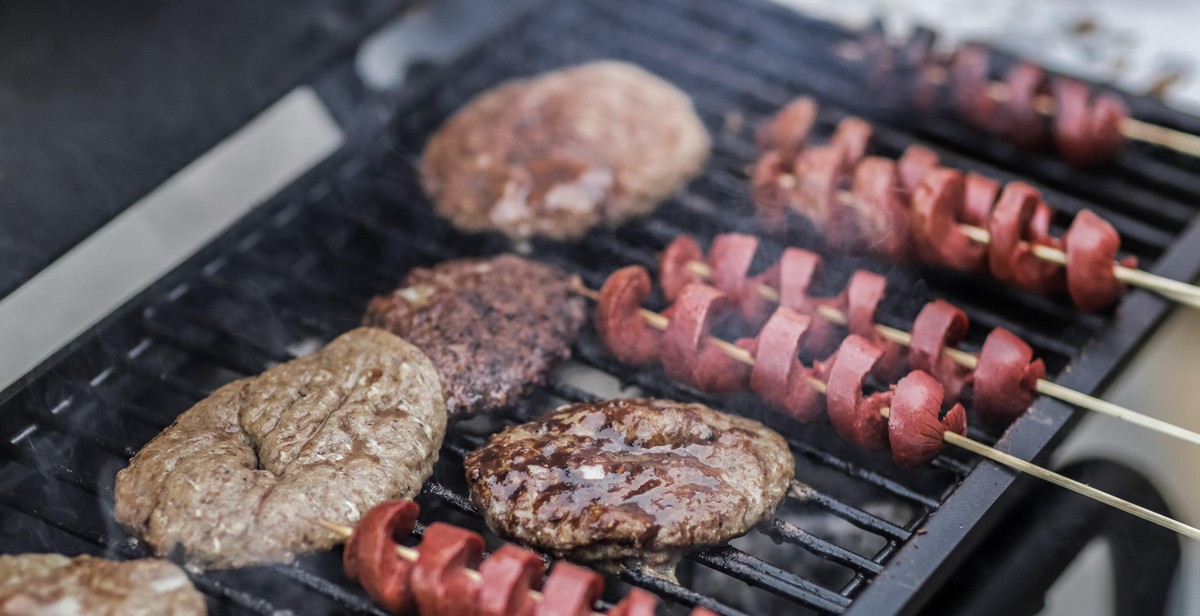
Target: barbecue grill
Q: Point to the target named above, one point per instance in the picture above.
(865, 538)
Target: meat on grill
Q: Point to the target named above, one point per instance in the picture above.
(492, 327)
(1003, 383)
(50, 584)
(238, 478)
(557, 154)
(627, 481)
(1084, 124)
(914, 209)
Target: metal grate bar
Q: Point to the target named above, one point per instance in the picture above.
(783, 530)
(738, 564)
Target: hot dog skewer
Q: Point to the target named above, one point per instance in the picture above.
(838, 316)
(914, 209)
(445, 575)
(1180, 292)
(966, 72)
(951, 436)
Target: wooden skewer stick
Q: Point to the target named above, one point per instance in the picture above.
(1045, 104)
(991, 453)
(962, 358)
(1181, 292)
(411, 555)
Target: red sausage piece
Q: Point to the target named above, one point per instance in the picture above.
(938, 325)
(1107, 119)
(508, 576)
(852, 136)
(970, 81)
(1019, 220)
(370, 555)
(776, 355)
(875, 219)
(937, 206)
(1022, 124)
(1086, 130)
(914, 429)
(439, 580)
(1006, 378)
(916, 162)
(570, 591)
(619, 321)
(856, 418)
(819, 172)
(797, 271)
(787, 131)
(767, 189)
(673, 271)
(687, 332)
(1091, 246)
(637, 603)
(980, 198)
(730, 258)
(863, 294)
(716, 372)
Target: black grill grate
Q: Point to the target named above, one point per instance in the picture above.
(299, 270)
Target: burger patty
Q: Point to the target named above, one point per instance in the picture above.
(35, 584)
(557, 154)
(493, 328)
(624, 482)
(238, 479)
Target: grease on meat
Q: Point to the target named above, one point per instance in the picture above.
(630, 482)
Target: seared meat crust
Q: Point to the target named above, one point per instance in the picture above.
(238, 479)
(638, 479)
(493, 328)
(557, 154)
(32, 584)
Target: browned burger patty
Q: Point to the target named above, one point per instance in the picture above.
(52, 584)
(238, 478)
(630, 480)
(493, 327)
(557, 154)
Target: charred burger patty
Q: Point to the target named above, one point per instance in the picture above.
(630, 480)
(492, 327)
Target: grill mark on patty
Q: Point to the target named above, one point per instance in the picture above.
(644, 479)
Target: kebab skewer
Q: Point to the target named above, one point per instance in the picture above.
(447, 574)
(1028, 107)
(912, 209)
(936, 330)
(908, 417)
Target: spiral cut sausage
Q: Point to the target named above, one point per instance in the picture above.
(788, 386)
(1084, 128)
(793, 277)
(938, 325)
(443, 581)
(914, 209)
(856, 417)
(1002, 385)
(370, 556)
(914, 432)
(618, 321)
